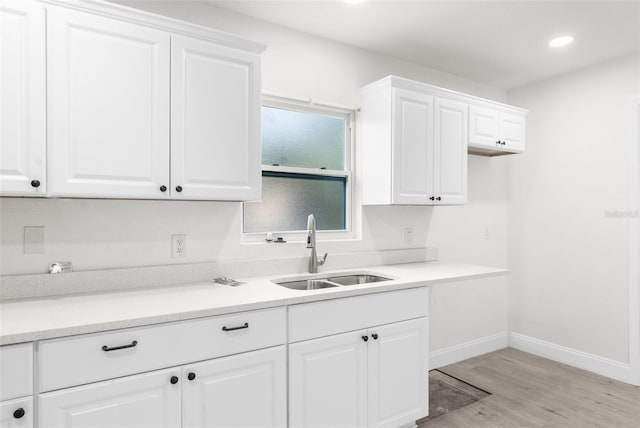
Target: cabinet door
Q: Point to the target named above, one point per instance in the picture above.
(484, 127)
(450, 152)
(215, 121)
(398, 373)
(147, 400)
(108, 95)
(16, 371)
(245, 390)
(17, 413)
(22, 98)
(412, 180)
(512, 129)
(328, 382)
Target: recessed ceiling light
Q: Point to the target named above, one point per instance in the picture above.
(561, 41)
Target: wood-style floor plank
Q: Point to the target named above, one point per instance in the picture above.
(530, 391)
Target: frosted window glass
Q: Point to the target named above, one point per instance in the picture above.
(288, 199)
(300, 139)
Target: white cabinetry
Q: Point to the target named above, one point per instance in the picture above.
(414, 145)
(22, 98)
(215, 121)
(141, 401)
(241, 391)
(398, 373)
(136, 106)
(108, 106)
(450, 152)
(374, 376)
(16, 386)
(496, 131)
(94, 381)
(17, 413)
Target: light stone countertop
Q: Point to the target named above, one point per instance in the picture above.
(50, 317)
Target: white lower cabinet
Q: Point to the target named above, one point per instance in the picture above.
(146, 400)
(373, 375)
(398, 373)
(17, 413)
(240, 391)
(16, 385)
(245, 390)
(328, 382)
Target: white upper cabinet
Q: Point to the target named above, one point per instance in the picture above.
(108, 85)
(450, 152)
(496, 131)
(103, 101)
(416, 137)
(22, 98)
(414, 145)
(215, 121)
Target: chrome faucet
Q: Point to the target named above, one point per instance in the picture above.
(314, 262)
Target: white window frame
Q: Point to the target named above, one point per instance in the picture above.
(349, 115)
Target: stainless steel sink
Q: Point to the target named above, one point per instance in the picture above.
(307, 284)
(330, 281)
(357, 279)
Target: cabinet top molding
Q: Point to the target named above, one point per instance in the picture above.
(175, 26)
(392, 81)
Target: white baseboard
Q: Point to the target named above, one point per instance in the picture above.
(463, 351)
(572, 357)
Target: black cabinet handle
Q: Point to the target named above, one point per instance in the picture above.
(178, 189)
(173, 380)
(431, 198)
(133, 344)
(35, 183)
(438, 198)
(19, 413)
(191, 376)
(375, 336)
(504, 143)
(365, 338)
(498, 143)
(245, 325)
(163, 188)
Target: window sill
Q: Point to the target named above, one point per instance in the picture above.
(298, 237)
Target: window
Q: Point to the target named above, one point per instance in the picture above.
(306, 169)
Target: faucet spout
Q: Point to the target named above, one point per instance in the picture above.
(314, 262)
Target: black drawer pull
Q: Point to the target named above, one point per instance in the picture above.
(245, 325)
(18, 414)
(105, 348)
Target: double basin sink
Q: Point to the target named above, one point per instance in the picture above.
(329, 281)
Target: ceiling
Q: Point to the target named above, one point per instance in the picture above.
(501, 43)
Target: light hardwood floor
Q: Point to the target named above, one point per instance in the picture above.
(529, 391)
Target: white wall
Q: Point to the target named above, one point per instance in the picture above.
(98, 234)
(569, 259)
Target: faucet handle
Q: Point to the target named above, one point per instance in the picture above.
(324, 259)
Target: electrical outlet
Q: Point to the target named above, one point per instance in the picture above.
(178, 245)
(408, 235)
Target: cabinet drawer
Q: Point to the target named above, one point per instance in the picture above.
(11, 415)
(82, 359)
(311, 320)
(16, 371)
